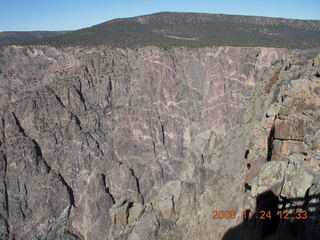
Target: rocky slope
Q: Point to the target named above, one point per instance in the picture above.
(105, 143)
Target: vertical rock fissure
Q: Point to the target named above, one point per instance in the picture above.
(76, 119)
(109, 88)
(151, 134)
(69, 190)
(270, 143)
(138, 185)
(56, 97)
(162, 132)
(246, 154)
(103, 178)
(82, 99)
(17, 122)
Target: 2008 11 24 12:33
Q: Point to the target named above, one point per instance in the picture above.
(260, 215)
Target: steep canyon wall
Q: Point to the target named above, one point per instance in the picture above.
(102, 143)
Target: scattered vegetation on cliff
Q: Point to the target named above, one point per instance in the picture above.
(174, 29)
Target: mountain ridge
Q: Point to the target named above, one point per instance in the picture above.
(204, 29)
(16, 37)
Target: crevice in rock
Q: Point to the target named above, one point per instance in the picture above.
(76, 119)
(69, 189)
(173, 205)
(109, 193)
(317, 75)
(74, 236)
(109, 88)
(103, 177)
(82, 99)
(26, 194)
(246, 153)
(270, 143)
(37, 149)
(152, 136)
(17, 122)
(56, 97)
(247, 187)
(39, 156)
(248, 165)
(130, 205)
(162, 133)
(138, 185)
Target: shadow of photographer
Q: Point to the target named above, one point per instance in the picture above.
(275, 219)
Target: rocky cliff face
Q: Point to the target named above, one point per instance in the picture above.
(101, 143)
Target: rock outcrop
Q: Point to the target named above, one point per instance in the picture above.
(101, 143)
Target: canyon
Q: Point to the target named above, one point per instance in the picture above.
(99, 143)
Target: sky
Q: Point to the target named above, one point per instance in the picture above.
(30, 15)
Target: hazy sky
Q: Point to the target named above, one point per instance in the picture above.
(26, 15)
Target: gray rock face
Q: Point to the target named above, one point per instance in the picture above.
(100, 143)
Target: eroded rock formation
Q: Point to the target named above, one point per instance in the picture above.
(100, 143)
